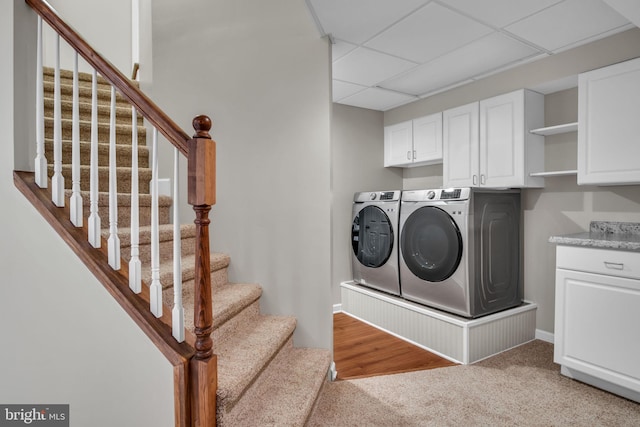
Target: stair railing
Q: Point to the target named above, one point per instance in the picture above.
(195, 402)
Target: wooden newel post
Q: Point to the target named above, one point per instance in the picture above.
(202, 195)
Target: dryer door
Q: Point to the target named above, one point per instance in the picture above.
(372, 236)
(431, 244)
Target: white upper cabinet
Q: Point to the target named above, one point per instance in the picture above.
(508, 152)
(460, 154)
(609, 125)
(488, 144)
(414, 143)
(398, 144)
(427, 139)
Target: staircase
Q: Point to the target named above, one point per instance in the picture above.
(263, 380)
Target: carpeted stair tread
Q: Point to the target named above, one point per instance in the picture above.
(165, 246)
(228, 301)
(123, 153)
(83, 77)
(123, 178)
(124, 208)
(245, 353)
(123, 199)
(188, 261)
(165, 233)
(123, 131)
(123, 113)
(85, 93)
(285, 393)
(166, 268)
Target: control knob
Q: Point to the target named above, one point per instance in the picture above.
(373, 196)
(431, 195)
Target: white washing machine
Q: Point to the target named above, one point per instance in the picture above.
(460, 249)
(374, 231)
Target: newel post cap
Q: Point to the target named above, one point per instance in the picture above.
(202, 164)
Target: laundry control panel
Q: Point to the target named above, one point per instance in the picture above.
(450, 194)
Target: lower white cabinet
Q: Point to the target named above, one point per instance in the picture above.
(597, 318)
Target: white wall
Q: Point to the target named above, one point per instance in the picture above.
(357, 160)
(562, 207)
(262, 72)
(106, 25)
(64, 338)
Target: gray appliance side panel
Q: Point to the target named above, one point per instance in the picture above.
(496, 283)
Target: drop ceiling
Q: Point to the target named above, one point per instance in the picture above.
(388, 53)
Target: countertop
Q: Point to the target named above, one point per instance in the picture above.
(604, 235)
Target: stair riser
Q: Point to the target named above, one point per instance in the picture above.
(124, 215)
(123, 114)
(187, 246)
(123, 154)
(123, 132)
(123, 179)
(246, 316)
(67, 76)
(84, 93)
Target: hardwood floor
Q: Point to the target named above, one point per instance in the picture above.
(360, 350)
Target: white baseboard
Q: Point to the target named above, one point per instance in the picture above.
(337, 308)
(544, 336)
(333, 372)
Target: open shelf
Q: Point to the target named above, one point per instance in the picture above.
(553, 130)
(555, 173)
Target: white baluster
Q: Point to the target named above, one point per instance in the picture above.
(156, 288)
(178, 310)
(41, 159)
(94, 218)
(57, 181)
(113, 243)
(75, 204)
(135, 275)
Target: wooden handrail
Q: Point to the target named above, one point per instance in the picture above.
(167, 127)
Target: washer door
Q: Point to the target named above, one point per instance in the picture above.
(372, 237)
(431, 244)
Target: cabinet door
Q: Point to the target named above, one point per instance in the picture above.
(609, 125)
(596, 326)
(502, 140)
(460, 146)
(398, 144)
(427, 139)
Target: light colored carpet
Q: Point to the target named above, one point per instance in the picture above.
(521, 387)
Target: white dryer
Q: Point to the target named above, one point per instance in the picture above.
(374, 231)
(460, 249)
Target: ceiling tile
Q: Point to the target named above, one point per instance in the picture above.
(340, 48)
(491, 52)
(366, 67)
(428, 33)
(630, 9)
(499, 12)
(345, 89)
(567, 23)
(377, 99)
(357, 21)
